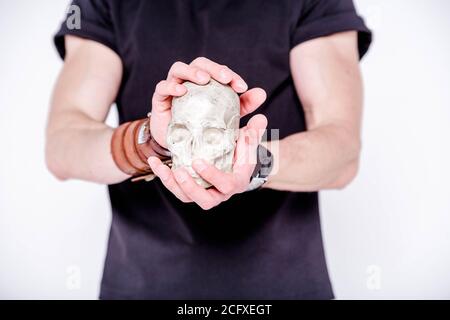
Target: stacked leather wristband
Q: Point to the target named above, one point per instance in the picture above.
(132, 144)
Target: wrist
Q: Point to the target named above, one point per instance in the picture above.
(132, 144)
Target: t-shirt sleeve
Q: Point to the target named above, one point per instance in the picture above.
(89, 19)
(319, 18)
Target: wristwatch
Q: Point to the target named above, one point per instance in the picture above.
(264, 164)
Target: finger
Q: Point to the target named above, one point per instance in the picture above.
(256, 127)
(247, 145)
(163, 91)
(251, 100)
(244, 164)
(180, 72)
(223, 181)
(198, 194)
(221, 73)
(166, 88)
(259, 123)
(253, 132)
(164, 173)
(219, 196)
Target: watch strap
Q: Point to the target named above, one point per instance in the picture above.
(263, 167)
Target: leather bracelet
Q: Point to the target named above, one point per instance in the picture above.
(132, 144)
(137, 134)
(119, 157)
(130, 150)
(147, 145)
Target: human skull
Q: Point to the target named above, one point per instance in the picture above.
(204, 125)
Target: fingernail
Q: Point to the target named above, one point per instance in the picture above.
(179, 88)
(180, 175)
(152, 161)
(199, 165)
(242, 85)
(202, 76)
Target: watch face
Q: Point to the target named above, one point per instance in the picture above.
(262, 168)
(265, 161)
(143, 134)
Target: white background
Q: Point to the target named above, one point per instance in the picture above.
(387, 235)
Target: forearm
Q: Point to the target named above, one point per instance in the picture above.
(80, 149)
(322, 158)
(328, 81)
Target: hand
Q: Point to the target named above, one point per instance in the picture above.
(199, 71)
(225, 185)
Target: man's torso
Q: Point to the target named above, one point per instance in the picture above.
(262, 244)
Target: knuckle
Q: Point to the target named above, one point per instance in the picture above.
(207, 173)
(228, 188)
(184, 200)
(187, 187)
(207, 206)
(177, 65)
(199, 60)
(170, 184)
(160, 85)
(225, 68)
(171, 86)
(193, 69)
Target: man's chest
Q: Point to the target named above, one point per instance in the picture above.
(245, 35)
(250, 37)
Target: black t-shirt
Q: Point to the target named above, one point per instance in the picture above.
(257, 245)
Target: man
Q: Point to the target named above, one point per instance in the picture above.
(301, 57)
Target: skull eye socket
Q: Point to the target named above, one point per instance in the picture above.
(213, 135)
(179, 133)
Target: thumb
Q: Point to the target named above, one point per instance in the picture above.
(256, 127)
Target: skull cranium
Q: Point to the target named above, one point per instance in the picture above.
(204, 125)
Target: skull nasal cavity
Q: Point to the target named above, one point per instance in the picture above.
(195, 144)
